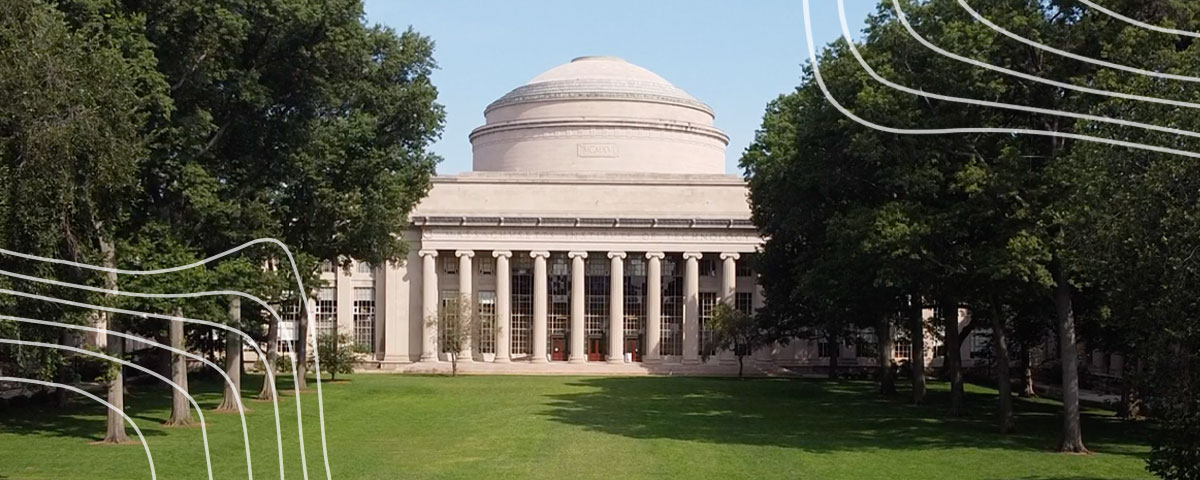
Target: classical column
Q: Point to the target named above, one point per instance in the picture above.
(653, 307)
(616, 307)
(729, 297)
(466, 295)
(691, 308)
(578, 350)
(503, 306)
(429, 305)
(539, 307)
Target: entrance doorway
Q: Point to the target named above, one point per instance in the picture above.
(558, 349)
(633, 346)
(595, 349)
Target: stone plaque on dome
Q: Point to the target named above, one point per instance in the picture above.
(597, 150)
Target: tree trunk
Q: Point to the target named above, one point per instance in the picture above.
(63, 375)
(1003, 376)
(741, 359)
(835, 344)
(949, 311)
(181, 413)
(1027, 387)
(916, 327)
(233, 358)
(268, 387)
(883, 335)
(115, 347)
(1072, 435)
(301, 373)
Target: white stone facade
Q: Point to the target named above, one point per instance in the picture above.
(598, 225)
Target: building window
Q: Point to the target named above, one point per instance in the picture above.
(742, 266)
(450, 265)
(635, 296)
(826, 349)
(326, 313)
(866, 345)
(522, 304)
(327, 266)
(365, 268)
(672, 306)
(901, 350)
(448, 313)
(708, 303)
(596, 285)
(364, 318)
(487, 265)
(487, 322)
(981, 344)
(708, 267)
(744, 302)
(289, 316)
(558, 285)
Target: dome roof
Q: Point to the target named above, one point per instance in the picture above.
(599, 77)
(599, 114)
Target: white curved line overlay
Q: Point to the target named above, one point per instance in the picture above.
(303, 298)
(149, 458)
(1008, 106)
(1138, 23)
(228, 381)
(1073, 56)
(199, 411)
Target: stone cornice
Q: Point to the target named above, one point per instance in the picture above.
(586, 125)
(547, 92)
(581, 222)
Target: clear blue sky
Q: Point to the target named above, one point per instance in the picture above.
(734, 55)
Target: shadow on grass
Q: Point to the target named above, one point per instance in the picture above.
(816, 416)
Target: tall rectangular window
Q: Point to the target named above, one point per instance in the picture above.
(708, 303)
(708, 267)
(365, 268)
(742, 266)
(825, 349)
(364, 318)
(672, 305)
(289, 318)
(327, 267)
(448, 313)
(522, 304)
(558, 283)
(326, 311)
(596, 285)
(487, 321)
(901, 350)
(744, 302)
(635, 296)
(449, 264)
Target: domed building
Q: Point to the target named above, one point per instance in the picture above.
(596, 232)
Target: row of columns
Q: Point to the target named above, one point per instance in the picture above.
(616, 327)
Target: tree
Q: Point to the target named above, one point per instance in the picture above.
(71, 140)
(181, 415)
(455, 323)
(233, 359)
(337, 354)
(734, 330)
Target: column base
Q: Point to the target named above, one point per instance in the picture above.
(691, 361)
(429, 359)
(576, 360)
(616, 360)
(538, 359)
(652, 360)
(501, 359)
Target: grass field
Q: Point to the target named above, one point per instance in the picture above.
(500, 427)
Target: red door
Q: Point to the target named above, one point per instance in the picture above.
(632, 346)
(595, 349)
(558, 350)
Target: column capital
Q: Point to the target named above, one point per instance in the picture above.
(427, 253)
(691, 255)
(658, 255)
(464, 253)
(733, 255)
(502, 253)
(577, 254)
(620, 255)
(539, 253)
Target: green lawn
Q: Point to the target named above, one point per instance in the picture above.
(500, 427)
